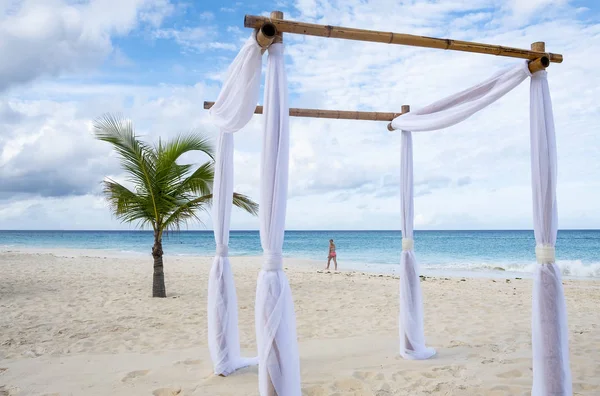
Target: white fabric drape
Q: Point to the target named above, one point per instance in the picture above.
(412, 337)
(458, 107)
(278, 367)
(238, 98)
(232, 111)
(551, 371)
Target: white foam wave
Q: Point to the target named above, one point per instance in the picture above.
(569, 268)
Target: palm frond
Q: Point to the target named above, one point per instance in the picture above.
(244, 202)
(135, 155)
(187, 211)
(126, 205)
(166, 194)
(200, 181)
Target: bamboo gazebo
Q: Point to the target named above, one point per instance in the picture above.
(278, 358)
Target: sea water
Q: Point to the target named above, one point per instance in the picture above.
(453, 252)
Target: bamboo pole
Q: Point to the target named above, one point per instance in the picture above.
(405, 109)
(265, 35)
(549, 314)
(540, 63)
(271, 391)
(332, 114)
(253, 21)
(277, 15)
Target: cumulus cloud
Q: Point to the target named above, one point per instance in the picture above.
(51, 37)
(343, 174)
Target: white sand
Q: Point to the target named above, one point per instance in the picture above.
(74, 325)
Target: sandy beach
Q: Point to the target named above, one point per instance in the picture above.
(73, 324)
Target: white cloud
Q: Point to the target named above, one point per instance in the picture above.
(195, 38)
(52, 37)
(343, 174)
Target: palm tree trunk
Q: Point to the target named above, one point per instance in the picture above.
(158, 282)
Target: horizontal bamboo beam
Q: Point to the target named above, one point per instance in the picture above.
(285, 26)
(333, 114)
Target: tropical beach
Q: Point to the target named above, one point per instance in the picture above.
(79, 322)
(307, 198)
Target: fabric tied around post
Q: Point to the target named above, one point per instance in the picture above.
(222, 250)
(408, 244)
(545, 254)
(273, 261)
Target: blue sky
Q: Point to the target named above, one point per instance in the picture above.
(156, 61)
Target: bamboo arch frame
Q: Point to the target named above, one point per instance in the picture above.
(270, 30)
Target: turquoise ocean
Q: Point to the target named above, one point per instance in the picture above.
(438, 252)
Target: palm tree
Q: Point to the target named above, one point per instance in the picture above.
(165, 194)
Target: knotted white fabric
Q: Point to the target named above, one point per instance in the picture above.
(544, 254)
(222, 250)
(408, 244)
(458, 107)
(273, 261)
(412, 334)
(551, 370)
(232, 111)
(278, 367)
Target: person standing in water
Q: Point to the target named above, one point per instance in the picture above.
(332, 255)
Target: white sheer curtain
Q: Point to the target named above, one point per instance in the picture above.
(278, 367)
(238, 98)
(551, 371)
(458, 107)
(232, 111)
(441, 114)
(412, 337)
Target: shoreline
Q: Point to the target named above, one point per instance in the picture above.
(301, 262)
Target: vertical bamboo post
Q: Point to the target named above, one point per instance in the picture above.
(405, 109)
(538, 46)
(278, 35)
(549, 314)
(271, 389)
(539, 63)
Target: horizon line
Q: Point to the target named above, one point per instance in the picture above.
(255, 230)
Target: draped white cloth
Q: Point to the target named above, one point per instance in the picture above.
(238, 98)
(458, 107)
(232, 111)
(412, 337)
(551, 370)
(278, 367)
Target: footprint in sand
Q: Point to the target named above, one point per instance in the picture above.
(368, 375)
(9, 391)
(455, 371)
(348, 385)
(315, 390)
(166, 392)
(134, 374)
(510, 374)
(188, 362)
